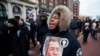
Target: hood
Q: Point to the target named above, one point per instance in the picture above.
(15, 23)
(65, 17)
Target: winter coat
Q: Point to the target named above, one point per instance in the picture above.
(74, 24)
(32, 28)
(63, 43)
(19, 41)
(86, 26)
(42, 29)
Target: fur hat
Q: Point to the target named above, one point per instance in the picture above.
(65, 17)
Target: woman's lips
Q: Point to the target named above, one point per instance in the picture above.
(51, 24)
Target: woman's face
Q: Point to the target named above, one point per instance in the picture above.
(54, 21)
(21, 22)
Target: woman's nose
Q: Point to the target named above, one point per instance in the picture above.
(52, 19)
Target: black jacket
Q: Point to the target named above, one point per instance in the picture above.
(74, 23)
(33, 28)
(19, 42)
(26, 30)
(72, 47)
(42, 29)
(84, 26)
(60, 41)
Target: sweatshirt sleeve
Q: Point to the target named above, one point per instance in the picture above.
(76, 49)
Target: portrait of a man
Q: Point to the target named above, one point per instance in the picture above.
(52, 47)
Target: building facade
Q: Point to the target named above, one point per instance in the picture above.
(48, 5)
(76, 8)
(17, 9)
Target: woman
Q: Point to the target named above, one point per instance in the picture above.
(58, 24)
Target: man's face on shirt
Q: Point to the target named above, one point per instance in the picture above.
(53, 49)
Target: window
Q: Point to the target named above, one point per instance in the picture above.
(75, 13)
(44, 6)
(51, 0)
(16, 9)
(75, 4)
(50, 8)
(0, 6)
(75, 0)
(2, 11)
(75, 10)
(75, 7)
(51, 4)
(64, 2)
(56, 1)
(43, 1)
(55, 4)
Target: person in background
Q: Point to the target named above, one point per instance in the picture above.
(32, 29)
(18, 38)
(86, 29)
(40, 13)
(24, 27)
(74, 26)
(99, 24)
(42, 29)
(94, 29)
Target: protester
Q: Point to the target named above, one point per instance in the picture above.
(94, 29)
(42, 29)
(99, 24)
(86, 29)
(58, 24)
(32, 29)
(19, 42)
(24, 27)
(74, 26)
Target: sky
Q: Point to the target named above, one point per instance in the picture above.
(90, 7)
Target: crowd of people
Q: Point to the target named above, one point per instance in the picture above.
(58, 29)
(16, 34)
(86, 26)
